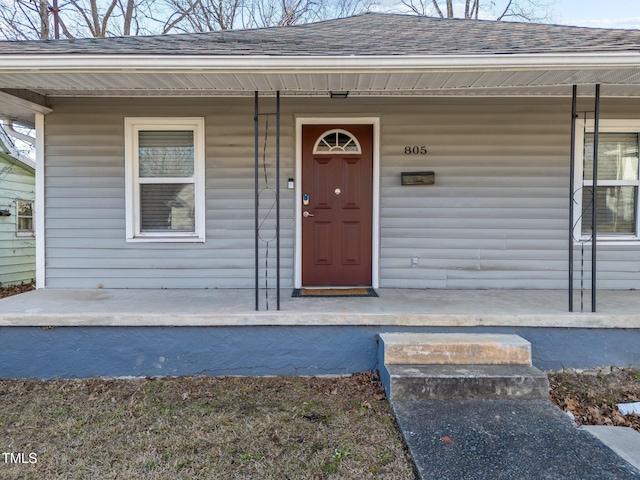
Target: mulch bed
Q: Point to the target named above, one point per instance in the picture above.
(592, 396)
(9, 290)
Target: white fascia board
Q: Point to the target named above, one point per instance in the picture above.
(313, 64)
(17, 102)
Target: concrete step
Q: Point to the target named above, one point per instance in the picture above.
(454, 349)
(457, 382)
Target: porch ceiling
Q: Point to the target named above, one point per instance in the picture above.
(19, 109)
(494, 80)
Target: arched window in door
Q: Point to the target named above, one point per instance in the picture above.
(337, 140)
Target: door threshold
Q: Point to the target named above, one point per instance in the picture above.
(334, 287)
(334, 292)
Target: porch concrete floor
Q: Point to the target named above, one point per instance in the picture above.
(394, 307)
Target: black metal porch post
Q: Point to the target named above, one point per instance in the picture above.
(572, 189)
(257, 193)
(256, 225)
(594, 191)
(278, 200)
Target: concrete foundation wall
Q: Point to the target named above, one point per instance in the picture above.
(75, 352)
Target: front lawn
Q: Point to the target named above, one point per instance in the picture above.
(200, 427)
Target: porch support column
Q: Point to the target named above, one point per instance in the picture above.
(41, 274)
(256, 205)
(594, 191)
(257, 192)
(572, 189)
(278, 199)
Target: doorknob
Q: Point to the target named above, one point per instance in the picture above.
(307, 214)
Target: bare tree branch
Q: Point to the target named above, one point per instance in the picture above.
(65, 30)
(88, 20)
(172, 23)
(30, 19)
(128, 16)
(95, 21)
(437, 7)
(521, 10)
(505, 11)
(44, 19)
(105, 19)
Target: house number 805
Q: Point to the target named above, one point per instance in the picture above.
(415, 150)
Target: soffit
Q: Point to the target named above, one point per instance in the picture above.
(623, 81)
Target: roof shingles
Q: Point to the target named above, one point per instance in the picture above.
(365, 34)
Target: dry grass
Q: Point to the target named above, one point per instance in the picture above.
(221, 428)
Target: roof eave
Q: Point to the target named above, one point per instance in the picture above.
(28, 165)
(75, 63)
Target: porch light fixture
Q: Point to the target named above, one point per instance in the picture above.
(5, 213)
(339, 94)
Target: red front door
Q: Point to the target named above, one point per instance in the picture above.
(337, 188)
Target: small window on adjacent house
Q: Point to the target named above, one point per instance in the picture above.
(165, 185)
(617, 203)
(24, 218)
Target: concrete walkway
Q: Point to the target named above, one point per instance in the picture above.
(503, 439)
(625, 441)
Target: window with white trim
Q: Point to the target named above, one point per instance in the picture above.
(618, 181)
(165, 189)
(24, 218)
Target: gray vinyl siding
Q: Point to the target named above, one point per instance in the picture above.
(85, 216)
(17, 253)
(497, 216)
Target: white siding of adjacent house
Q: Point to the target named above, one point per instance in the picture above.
(17, 253)
(497, 216)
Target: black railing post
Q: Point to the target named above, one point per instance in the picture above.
(594, 190)
(278, 199)
(572, 189)
(256, 202)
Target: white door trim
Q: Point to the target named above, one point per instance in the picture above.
(375, 223)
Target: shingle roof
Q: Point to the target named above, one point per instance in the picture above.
(365, 34)
(11, 155)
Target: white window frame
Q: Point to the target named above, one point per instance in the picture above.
(25, 233)
(335, 149)
(604, 126)
(132, 127)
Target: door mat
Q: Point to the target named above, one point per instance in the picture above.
(334, 292)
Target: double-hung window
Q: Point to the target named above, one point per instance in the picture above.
(24, 218)
(618, 181)
(165, 179)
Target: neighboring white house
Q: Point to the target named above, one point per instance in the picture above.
(17, 198)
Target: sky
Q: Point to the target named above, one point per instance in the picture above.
(581, 13)
(597, 13)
